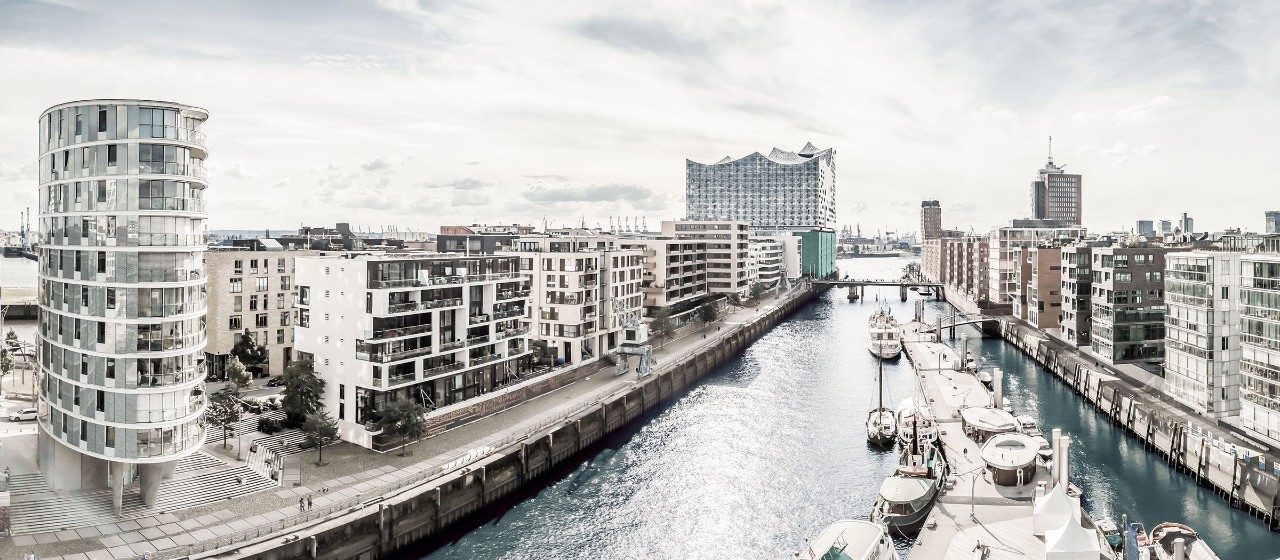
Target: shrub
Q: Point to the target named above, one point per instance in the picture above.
(268, 426)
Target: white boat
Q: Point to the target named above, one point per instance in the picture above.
(881, 423)
(1027, 425)
(985, 377)
(914, 422)
(886, 336)
(970, 363)
(851, 539)
(1175, 541)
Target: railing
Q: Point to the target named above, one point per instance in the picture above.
(417, 282)
(173, 168)
(423, 305)
(502, 296)
(484, 359)
(477, 319)
(477, 340)
(446, 346)
(401, 331)
(508, 333)
(492, 276)
(384, 357)
(505, 313)
(455, 366)
(393, 381)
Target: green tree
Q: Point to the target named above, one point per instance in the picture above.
(303, 390)
(249, 352)
(320, 429)
(237, 374)
(6, 364)
(539, 348)
(660, 326)
(223, 412)
(735, 300)
(404, 419)
(11, 339)
(757, 290)
(707, 312)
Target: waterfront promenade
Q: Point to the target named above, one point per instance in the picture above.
(973, 512)
(354, 475)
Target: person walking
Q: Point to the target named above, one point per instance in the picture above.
(309, 505)
(302, 504)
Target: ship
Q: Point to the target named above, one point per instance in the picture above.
(886, 336)
(881, 424)
(915, 423)
(851, 539)
(1175, 541)
(907, 497)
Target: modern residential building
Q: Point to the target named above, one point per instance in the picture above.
(817, 252)
(1273, 222)
(338, 238)
(1021, 233)
(728, 250)
(251, 288)
(1260, 345)
(1202, 331)
(577, 279)
(930, 220)
(122, 305)
(479, 239)
(1128, 304)
(766, 261)
(1077, 290)
(434, 327)
(780, 191)
(1056, 195)
(1039, 297)
(675, 272)
(1146, 228)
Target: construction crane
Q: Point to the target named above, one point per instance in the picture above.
(635, 340)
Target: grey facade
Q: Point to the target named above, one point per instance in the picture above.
(1056, 195)
(930, 220)
(122, 302)
(780, 191)
(1077, 287)
(1128, 304)
(252, 290)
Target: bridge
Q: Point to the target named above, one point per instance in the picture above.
(858, 286)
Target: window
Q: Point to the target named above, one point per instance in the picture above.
(304, 295)
(237, 285)
(284, 281)
(234, 323)
(239, 265)
(260, 320)
(102, 262)
(102, 332)
(237, 304)
(279, 336)
(1225, 294)
(84, 430)
(101, 400)
(284, 319)
(111, 368)
(102, 119)
(262, 283)
(279, 301)
(111, 436)
(280, 266)
(79, 123)
(253, 266)
(253, 303)
(304, 318)
(84, 158)
(111, 154)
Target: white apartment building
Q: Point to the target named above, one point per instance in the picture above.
(438, 328)
(1003, 266)
(728, 250)
(122, 304)
(251, 287)
(576, 278)
(674, 271)
(1202, 331)
(1260, 344)
(765, 261)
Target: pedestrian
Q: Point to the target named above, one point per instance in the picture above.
(302, 505)
(309, 506)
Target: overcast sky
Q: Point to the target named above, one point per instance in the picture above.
(422, 113)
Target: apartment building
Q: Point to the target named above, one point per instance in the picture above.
(1127, 300)
(576, 278)
(479, 239)
(1077, 290)
(435, 327)
(674, 271)
(728, 250)
(251, 287)
(1021, 233)
(1202, 331)
(1260, 344)
(766, 260)
(964, 266)
(1039, 299)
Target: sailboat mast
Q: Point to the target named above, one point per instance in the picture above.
(880, 383)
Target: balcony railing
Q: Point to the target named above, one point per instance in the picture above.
(492, 276)
(484, 359)
(508, 333)
(506, 313)
(447, 346)
(477, 319)
(482, 339)
(417, 282)
(445, 368)
(423, 305)
(502, 296)
(401, 331)
(384, 357)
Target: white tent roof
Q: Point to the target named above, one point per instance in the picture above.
(1052, 511)
(1070, 542)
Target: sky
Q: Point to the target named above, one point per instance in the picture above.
(422, 113)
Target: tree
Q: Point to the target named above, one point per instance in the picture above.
(249, 352)
(320, 429)
(757, 290)
(735, 300)
(237, 374)
(660, 325)
(6, 363)
(539, 348)
(404, 419)
(11, 339)
(707, 312)
(303, 390)
(223, 412)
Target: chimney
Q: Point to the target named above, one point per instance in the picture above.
(1056, 443)
(1064, 470)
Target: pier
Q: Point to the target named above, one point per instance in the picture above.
(19, 303)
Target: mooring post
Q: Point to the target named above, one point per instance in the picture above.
(952, 332)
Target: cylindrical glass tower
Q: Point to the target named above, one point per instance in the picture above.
(122, 302)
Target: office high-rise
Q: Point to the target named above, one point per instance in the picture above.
(1055, 194)
(780, 191)
(930, 220)
(122, 305)
(1273, 221)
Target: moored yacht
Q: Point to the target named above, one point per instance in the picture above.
(914, 422)
(886, 336)
(1175, 541)
(881, 423)
(907, 497)
(851, 539)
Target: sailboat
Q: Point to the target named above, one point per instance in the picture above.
(881, 423)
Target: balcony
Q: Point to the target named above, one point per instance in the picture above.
(507, 313)
(401, 331)
(412, 306)
(417, 282)
(384, 357)
(483, 360)
(395, 380)
(491, 276)
(448, 346)
(482, 339)
(503, 296)
(439, 370)
(477, 319)
(508, 333)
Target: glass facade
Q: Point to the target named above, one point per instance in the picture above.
(1260, 341)
(1202, 344)
(122, 285)
(784, 190)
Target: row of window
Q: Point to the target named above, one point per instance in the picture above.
(261, 284)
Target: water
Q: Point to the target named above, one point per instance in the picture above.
(17, 273)
(770, 449)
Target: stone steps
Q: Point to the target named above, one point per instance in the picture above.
(247, 425)
(21, 484)
(197, 461)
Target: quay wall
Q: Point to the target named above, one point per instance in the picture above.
(386, 526)
(1247, 478)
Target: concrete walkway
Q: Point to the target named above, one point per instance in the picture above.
(353, 474)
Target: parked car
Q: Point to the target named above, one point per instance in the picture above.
(276, 382)
(212, 378)
(22, 414)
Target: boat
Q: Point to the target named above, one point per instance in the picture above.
(851, 539)
(970, 363)
(912, 421)
(886, 336)
(925, 292)
(1139, 534)
(1175, 541)
(985, 377)
(907, 496)
(1111, 533)
(881, 424)
(1027, 425)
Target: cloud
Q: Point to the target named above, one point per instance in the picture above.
(377, 165)
(1083, 116)
(464, 184)
(1122, 152)
(651, 37)
(358, 62)
(239, 171)
(280, 184)
(1143, 111)
(17, 172)
(471, 199)
(607, 192)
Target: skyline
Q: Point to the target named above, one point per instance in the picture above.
(506, 113)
